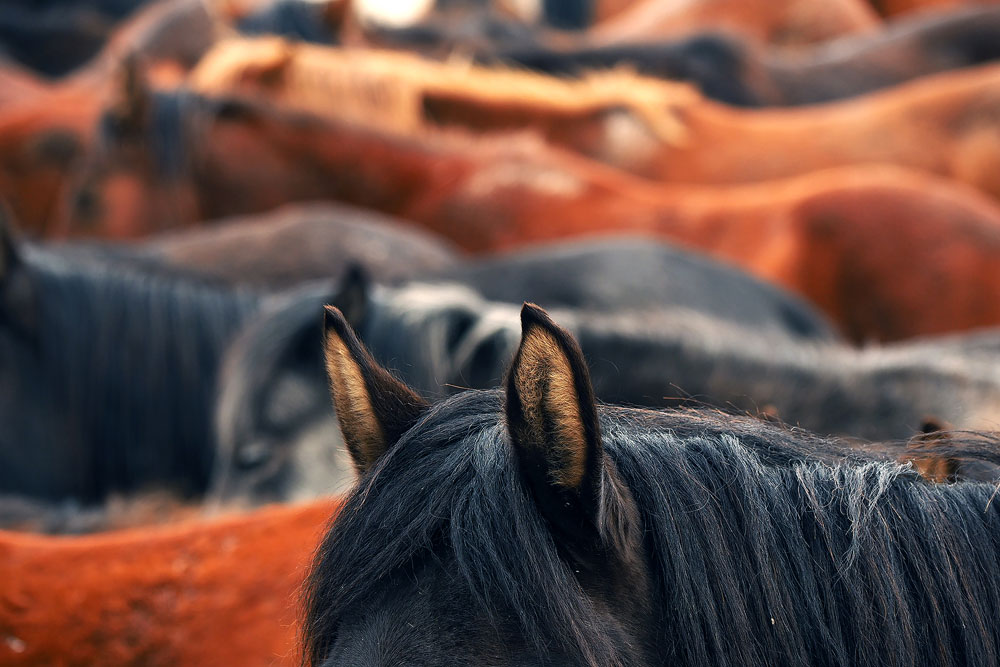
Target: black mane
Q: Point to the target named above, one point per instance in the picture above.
(127, 361)
(768, 546)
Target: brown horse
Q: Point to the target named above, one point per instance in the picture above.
(778, 22)
(46, 126)
(408, 93)
(944, 124)
(873, 247)
(219, 592)
(895, 7)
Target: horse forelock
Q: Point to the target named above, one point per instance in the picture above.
(768, 546)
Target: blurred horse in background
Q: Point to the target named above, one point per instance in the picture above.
(109, 375)
(729, 69)
(221, 591)
(840, 238)
(285, 247)
(667, 132)
(276, 433)
(277, 442)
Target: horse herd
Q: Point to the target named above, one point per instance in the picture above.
(656, 332)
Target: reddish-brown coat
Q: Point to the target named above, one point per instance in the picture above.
(214, 592)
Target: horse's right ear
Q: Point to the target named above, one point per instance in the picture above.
(10, 256)
(374, 408)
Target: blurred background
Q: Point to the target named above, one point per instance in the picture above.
(781, 208)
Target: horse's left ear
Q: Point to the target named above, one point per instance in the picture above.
(133, 100)
(552, 419)
(374, 408)
(18, 303)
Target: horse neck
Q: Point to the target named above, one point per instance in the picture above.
(675, 359)
(355, 165)
(139, 374)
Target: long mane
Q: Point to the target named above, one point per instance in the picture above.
(769, 546)
(134, 355)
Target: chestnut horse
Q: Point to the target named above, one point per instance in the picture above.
(845, 239)
(216, 592)
(46, 126)
(895, 7)
(944, 124)
(778, 22)
(731, 70)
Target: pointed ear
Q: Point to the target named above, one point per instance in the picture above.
(18, 303)
(552, 419)
(374, 408)
(352, 295)
(133, 100)
(10, 256)
(920, 451)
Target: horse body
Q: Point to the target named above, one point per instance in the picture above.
(730, 70)
(274, 424)
(277, 436)
(530, 526)
(212, 591)
(785, 22)
(288, 246)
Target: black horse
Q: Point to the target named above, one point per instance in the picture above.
(531, 526)
(276, 432)
(730, 70)
(107, 374)
(273, 420)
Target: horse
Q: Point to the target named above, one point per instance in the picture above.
(42, 137)
(278, 440)
(272, 418)
(787, 23)
(214, 591)
(663, 131)
(532, 525)
(286, 247)
(892, 8)
(408, 93)
(823, 235)
(108, 375)
(728, 69)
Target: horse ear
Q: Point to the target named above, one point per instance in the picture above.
(352, 295)
(920, 451)
(374, 408)
(10, 256)
(18, 305)
(552, 419)
(134, 98)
